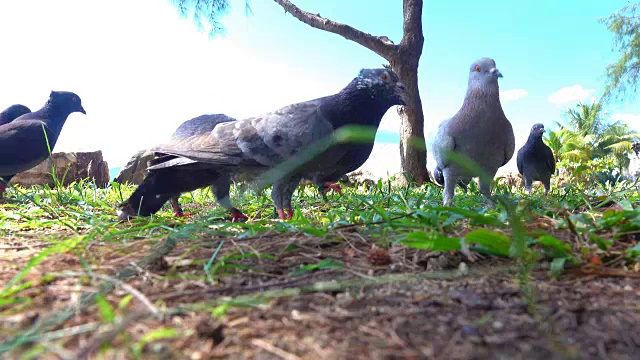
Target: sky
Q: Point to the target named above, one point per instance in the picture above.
(141, 69)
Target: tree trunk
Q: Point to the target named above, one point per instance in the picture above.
(413, 150)
(413, 154)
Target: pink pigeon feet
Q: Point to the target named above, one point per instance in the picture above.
(285, 216)
(177, 211)
(3, 187)
(332, 186)
(238, 216)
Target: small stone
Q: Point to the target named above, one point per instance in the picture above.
(379, 257)
(463, 269)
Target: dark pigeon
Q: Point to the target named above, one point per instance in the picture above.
(480, 131)
(7, 116)
(13, 112)
(535, 160)
(255, 146)
(23, 144)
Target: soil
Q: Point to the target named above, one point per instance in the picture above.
(394, 303)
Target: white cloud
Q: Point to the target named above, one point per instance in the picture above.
(570, 94)
(632, 120)
(512, 95)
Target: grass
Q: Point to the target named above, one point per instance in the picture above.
(76, 283)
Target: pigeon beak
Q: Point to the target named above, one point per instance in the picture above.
(496, 72)
(82, 110)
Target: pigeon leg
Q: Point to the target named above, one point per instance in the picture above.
(177, 210)
(485, 189)
(220, 189)
(449, 188)
(547, 186)
(281, 195)
(528, 182)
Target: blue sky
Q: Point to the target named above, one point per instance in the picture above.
(141, 70)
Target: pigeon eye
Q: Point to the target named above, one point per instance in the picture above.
(74, 99)
(384, 76)
(478, 68)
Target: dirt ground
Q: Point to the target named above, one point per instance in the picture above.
(397, 303)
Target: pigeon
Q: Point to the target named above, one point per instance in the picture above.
(439, 179)
(535, 160)
(23, 143)
(7, 116)
(12, 112)
(281, 146)
(479, 131)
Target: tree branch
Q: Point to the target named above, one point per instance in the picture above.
(381, 45)
(412, 25)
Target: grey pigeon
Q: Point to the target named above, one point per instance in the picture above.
(23, 143)
(255, 146)
(535, 160)
(479, 131)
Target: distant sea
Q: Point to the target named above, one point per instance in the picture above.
(113, 172)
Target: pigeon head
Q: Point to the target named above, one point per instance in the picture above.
(382, 84)
(483, 76)
(537, 131)
(635, 146)
(65, 103)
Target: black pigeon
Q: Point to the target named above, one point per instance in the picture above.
(8, 115)
(13, 112)
(256, 145)
(535, 160)
(23, 143)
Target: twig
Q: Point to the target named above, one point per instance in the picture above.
(87, 299)
(126, 287)
(274, 350)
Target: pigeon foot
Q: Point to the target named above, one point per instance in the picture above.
(238, 216)
(285, 216)
(332, 186)
(125, 213)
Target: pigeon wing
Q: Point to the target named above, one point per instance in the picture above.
(262, 141)
(443, 144)
(22, 146)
